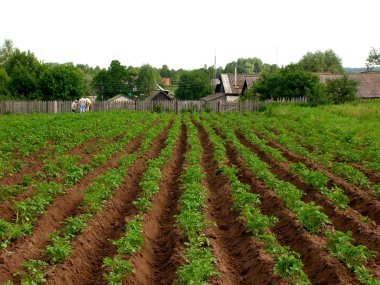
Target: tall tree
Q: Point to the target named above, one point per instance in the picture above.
(61, 82)
(111, 82)
(373, 58)
(245, 65)
(24, 69)
(319, 61)
(146, 80)
(193, 85)
(4, 83)
(6, 51)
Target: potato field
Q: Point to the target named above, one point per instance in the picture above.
(289, 195)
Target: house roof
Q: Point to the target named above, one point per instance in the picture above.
(213, 97)
(120, 96)
(228, 81)
(155, 93)
(369, 83)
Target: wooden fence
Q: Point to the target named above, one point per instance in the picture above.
(27, 107)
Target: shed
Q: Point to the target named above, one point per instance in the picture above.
(159, 95)
(369, 83)
(120, 98)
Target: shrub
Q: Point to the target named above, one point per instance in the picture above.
(341, 90)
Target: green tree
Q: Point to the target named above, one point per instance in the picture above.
(61, 82)
(4, 83)
(165, 72)
(319, 61)
(6, 51)
(147, 79)
(193, 85)
(111, 82)
(245, 65)
(23, 69)
(23, 83)
(373, 58)
(342, 90)
(288, 82)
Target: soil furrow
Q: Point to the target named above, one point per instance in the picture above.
(240, 259)
(161, 255)
(367, 234)
(31, 164)
(89, 248)
(6, 212)
(320, 267)
(373, 177)
(63, 206)
(362, 202)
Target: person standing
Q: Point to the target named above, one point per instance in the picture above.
(82, 105)
(74, 106)
(88, 104)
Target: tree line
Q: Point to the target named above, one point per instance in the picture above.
(23, 76)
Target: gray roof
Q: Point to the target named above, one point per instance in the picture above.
(369, 83)
(213, 97)
(155, 93)
(234, 84)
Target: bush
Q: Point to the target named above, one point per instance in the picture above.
(341, 90)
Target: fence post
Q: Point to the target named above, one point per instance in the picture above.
(218, 107)
(176, 106)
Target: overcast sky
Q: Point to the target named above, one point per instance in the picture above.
(185, 34)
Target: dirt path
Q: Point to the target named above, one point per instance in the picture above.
(161, 256)
(240, 259)
(367, 234)
(63, 206)
(361, 201)
(89, 248)
(320, 267)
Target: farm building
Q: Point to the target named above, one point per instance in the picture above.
(230, 87)
(369, 83)
(120, 98)
(160, 95)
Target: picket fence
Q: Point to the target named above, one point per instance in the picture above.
(27, 107)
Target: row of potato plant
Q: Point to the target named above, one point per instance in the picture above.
(314, 178)
(119, 267)
(325, 157)
(26, 211)
(287, 262)
(326, 151)
(95, 196)
(199, 262)
(52, 133)
(348, 138)
(308, 214)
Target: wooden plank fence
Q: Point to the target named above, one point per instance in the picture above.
(27, 107)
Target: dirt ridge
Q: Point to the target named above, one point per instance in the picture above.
(89, 248)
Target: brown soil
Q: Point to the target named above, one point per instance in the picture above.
(320, 267)
(162, 252)
(32, 164)
(361, 201)
(373, 177)
(367, 234)
(6, 212)
(241, 259)
(89, 248)
(63, 206)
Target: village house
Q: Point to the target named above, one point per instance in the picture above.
(120, 98)
(230, 87)
(160, 95)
